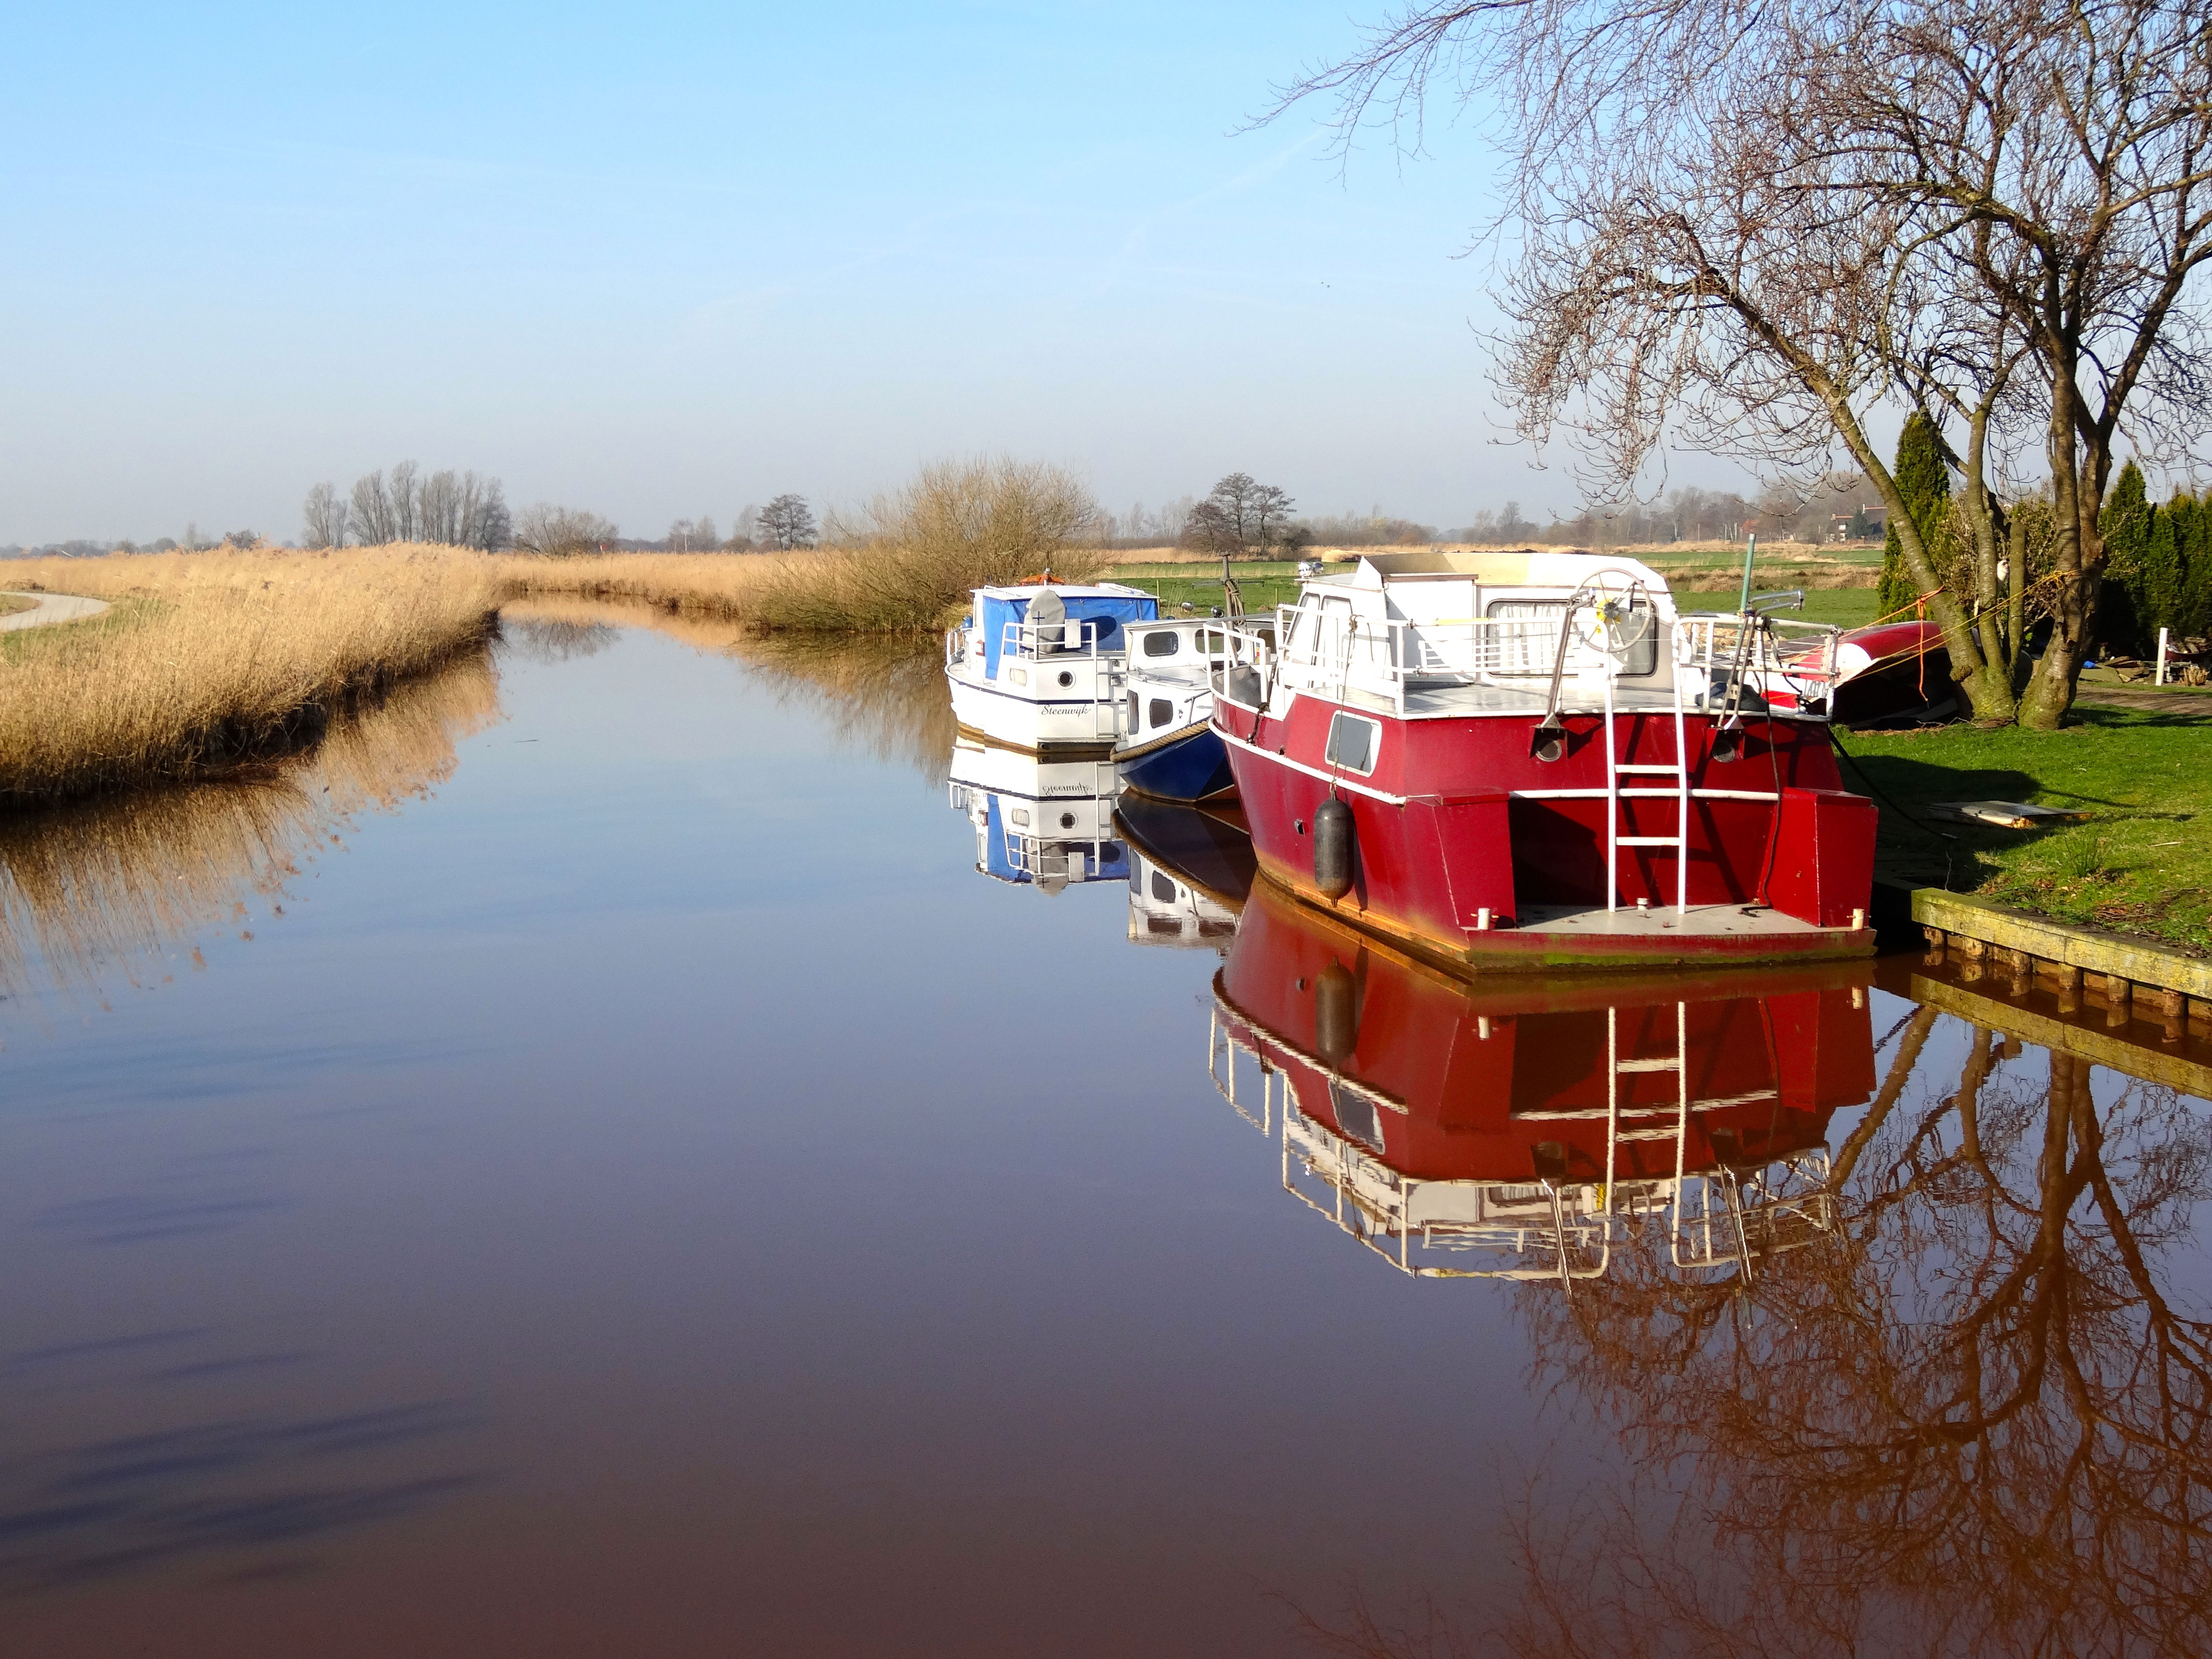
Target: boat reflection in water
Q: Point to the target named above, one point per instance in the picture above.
(1516, 1129)
(1190, 872)
(1045, 824)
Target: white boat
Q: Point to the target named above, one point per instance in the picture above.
(1169, 748)
(1040, 667)
(1166, 908)
(1047, 823)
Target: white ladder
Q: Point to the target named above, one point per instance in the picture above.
(1615, 1066)
(1614, 771)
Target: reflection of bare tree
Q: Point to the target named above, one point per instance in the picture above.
(111, 884)
(881, 696)
(1974, 1420)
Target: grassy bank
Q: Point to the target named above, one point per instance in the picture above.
(2143, 863)
(207, 659)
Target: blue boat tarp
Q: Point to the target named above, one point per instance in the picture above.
(1105, 612)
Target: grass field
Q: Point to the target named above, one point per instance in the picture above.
(11, 603)
(2142, 862)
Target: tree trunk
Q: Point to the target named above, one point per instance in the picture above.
(2079, 557)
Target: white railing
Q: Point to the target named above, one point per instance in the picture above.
(1722, 1217)
(1028, 641)
(1329, 652)
(1799, 658)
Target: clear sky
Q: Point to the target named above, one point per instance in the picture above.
(660, 260)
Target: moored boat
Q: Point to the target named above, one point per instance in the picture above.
(1531, 760)
(1040, 665)
(1512, 1127)
(1168, 748)
(1047, 823)
(1893, 673)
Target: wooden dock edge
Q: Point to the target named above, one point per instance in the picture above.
(2126, 977)
(2117, 1052)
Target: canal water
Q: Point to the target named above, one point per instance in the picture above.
(643, 1147)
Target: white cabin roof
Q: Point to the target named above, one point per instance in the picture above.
(1065, 589)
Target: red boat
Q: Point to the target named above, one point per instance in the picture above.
(1528, 1120)
(1531, 760)
(1894, 674)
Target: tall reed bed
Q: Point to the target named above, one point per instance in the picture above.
(208, 658)
(118, 884)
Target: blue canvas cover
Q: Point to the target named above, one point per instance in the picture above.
(1106, 612)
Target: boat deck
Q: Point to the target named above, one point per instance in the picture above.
(1699, 922)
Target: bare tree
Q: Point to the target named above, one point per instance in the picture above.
(372, 511)
(406, 503)
(1752, 230)
(561, 531)
(484, 523)
(684, 536)
(786, 522)
(325, 515)
(1241, 516)
(438, 509)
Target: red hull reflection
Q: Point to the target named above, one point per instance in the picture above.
(1530, 1120)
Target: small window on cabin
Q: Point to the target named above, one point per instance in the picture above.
(1161, 711)
(1162, 888)
(1163, 643)
(1213, 642)
(1352, 743)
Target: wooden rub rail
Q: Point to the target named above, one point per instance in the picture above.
(2128, 978)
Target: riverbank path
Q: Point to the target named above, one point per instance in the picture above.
(50, 607)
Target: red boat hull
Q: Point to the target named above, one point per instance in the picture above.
(1457, 818)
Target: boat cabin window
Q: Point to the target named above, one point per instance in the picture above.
(1163, 643)
(1352, 743)
(1161, 711)
(1213, 642)
(1162, 888)
(1355, 1115)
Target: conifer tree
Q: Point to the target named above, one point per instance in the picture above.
(2126, 523)
(1925, 482)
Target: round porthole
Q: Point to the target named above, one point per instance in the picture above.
(1067, 820)
(1066, 678)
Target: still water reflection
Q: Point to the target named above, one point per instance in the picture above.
(637, 1174)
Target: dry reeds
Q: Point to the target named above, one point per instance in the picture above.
(115, 885)
(207, 659)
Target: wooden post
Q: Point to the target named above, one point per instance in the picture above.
(2117, 997)
(2174, 1007)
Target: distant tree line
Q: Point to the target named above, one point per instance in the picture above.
(453, 509)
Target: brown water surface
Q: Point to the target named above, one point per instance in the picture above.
(588, 1164)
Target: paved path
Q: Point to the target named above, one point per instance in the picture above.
(2190, 706)
(51, 608)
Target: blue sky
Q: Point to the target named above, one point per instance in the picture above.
(661, 260)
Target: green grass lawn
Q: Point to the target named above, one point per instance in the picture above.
(2143, 864)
